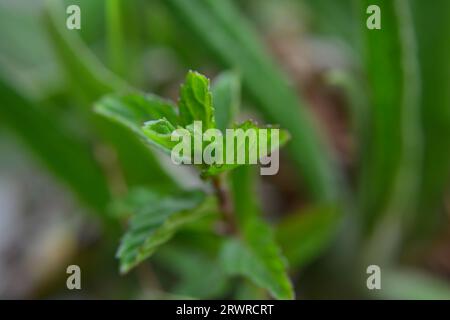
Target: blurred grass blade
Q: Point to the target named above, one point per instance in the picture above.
(226, 91)
(115, 35)
(303, 236)
(257, 255)
(90, 80)
(223, 30)
(86, 74)
(392, 153)
(66, 156)
(433, 29)
(155, 219)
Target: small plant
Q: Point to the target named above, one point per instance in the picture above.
(247, 245)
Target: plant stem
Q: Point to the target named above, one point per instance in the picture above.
(225, 204)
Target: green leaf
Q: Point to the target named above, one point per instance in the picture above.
(155, 219)
(221, 28)
(259, 259)
(134, 110)
(226, 92)
(160, 132)
(433, 25)
(304, 235)
(247, 147)
(392, 150)
(196, 101)
(257, 255)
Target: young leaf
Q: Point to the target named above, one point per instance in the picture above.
(226, 98)
(134, 110)
(393, 151)
(196, 101)
(247, 147)
(160, 132)
(220, 26)
(304, 235)
(156, 220)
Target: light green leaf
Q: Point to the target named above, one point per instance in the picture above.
(155, 219)
(304, 235)
(160, 132)
(259, 259)
(134, 110)
(226, 91)
(248, 147)
(196, 101)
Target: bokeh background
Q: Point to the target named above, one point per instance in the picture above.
(368, 111)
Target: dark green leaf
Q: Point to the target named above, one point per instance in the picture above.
(155, 219)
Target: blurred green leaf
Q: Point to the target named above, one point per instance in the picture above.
(195, 271)
(222, 29)
(392, 150)
(196, 101)
(304, 235)
(155, 219)
(433, 25)
(89, 80)
(226, 91)
(65, 155)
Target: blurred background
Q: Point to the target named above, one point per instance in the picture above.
(368, 111)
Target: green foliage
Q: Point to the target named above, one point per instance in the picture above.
(196, 101)
(433, 25)
(255, 254)
(381, 94)
(155, 219)
(392, 154)
(154, 121)
(225, 32)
